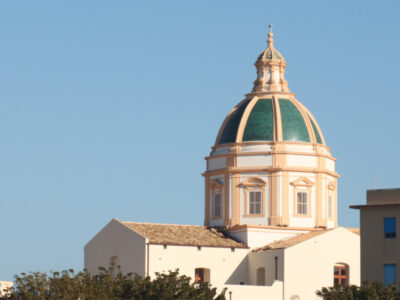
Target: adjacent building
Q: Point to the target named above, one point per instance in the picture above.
(270, 229)
(380, 241)
(4, 285)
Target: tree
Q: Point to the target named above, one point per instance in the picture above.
(67, 285)
(367, 291)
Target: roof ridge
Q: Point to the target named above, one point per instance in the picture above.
(150, 223)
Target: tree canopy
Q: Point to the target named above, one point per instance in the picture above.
(67, 285)
(367, 291)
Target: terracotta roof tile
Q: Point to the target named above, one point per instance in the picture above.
(286, 243)
(186, 235)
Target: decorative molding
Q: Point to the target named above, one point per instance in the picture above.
(332, 185)
(303, 181)
(253, 182)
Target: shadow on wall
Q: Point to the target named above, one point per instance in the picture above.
(295, 297)
(240, 275)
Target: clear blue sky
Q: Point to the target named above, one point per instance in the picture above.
(108, 108)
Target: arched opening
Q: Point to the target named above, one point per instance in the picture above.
(114, 265)
(261, 276)
(341, 275)
(202, 275)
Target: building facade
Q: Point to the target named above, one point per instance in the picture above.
(270, 207)
(4, 285)
(380, 242)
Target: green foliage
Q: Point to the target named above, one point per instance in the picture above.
(367, 291)
(67, 285)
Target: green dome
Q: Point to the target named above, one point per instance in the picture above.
(267, 119)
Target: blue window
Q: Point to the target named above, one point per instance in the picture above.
(389, 274)
(389, 226)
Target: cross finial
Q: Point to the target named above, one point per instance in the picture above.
(270, 39)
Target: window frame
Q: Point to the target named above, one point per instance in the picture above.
(302, 185)
(202, 275)
(384, 274)
(388, 235)
(299, 206)
(214, 215)
(253, 204)
(331, 211)
(254, 185)
(340, 276)
(216, 187)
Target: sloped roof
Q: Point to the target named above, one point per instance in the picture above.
(185, 235)
(286, 243)
(354, 230)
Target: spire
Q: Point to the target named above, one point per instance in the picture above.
(270, 39)
(270, 69)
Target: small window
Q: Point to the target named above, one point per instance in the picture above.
(202, 275)
(389, 271)
(330, 206)
(217, 205)
(389, 227)
(340, 275)
(255, 202)
(302, 203)
(199, 275)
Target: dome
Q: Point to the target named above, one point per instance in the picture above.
(270, 113)
(270, 165)
(270, 119)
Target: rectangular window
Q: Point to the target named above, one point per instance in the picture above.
(217, 205)
(255, 204)
(340, 276)
(199, 275)
(389, 228)
(389, 271)
(302, 203)
(330, 206)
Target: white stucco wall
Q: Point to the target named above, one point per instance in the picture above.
(227, 269)
(309, 265)
(226, 266)
(266, 260)
(254, 292)
(302, 161)
(217, 163)
(254, 161)
(115, 239)
(258, 237)
(330, 164)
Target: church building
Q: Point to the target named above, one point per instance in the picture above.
(270, 228)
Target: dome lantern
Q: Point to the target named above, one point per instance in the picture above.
(270, 69)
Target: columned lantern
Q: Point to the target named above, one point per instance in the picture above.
(270, 165)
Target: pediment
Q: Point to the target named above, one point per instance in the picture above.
(254, 181)
(216, 184)
(303, 181)
(332, 185)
